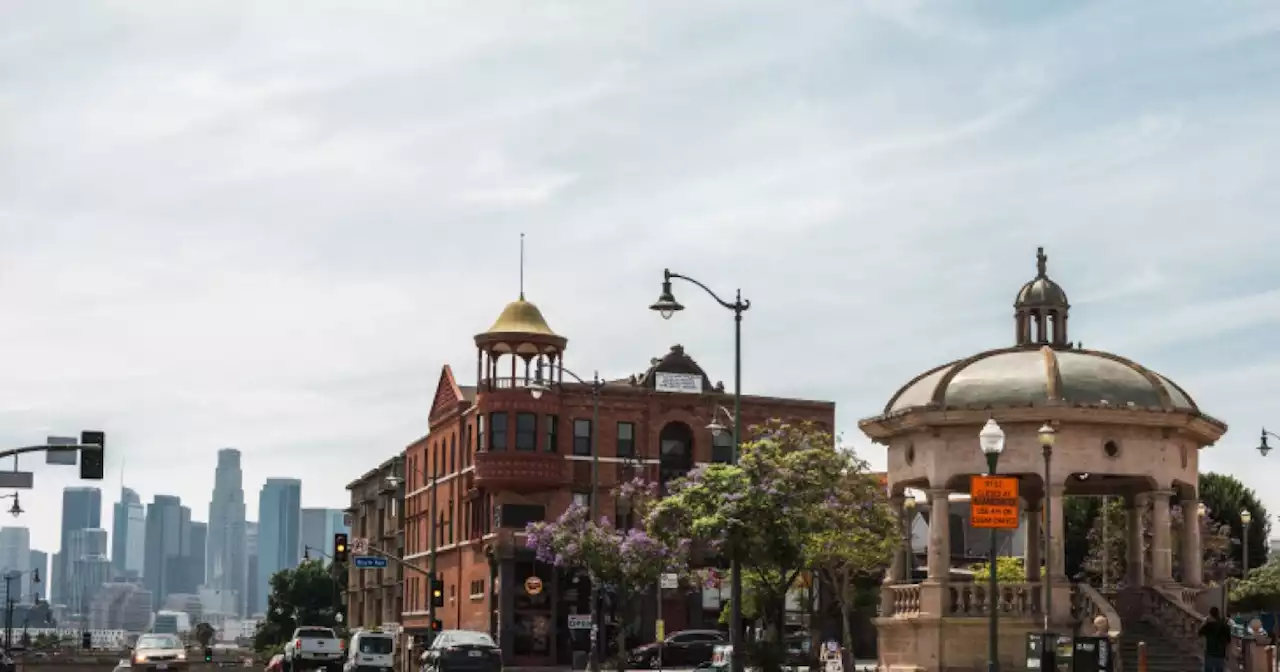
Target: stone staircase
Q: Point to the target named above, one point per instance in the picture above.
(1162, 654)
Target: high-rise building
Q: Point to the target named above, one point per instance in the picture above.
(318, 528)
(123, 606)
(128, 536)
(15, 556)
(163, 568)
(38, 579)
(197, 543)
(55, 570)
(87, 566)
(251, 598)
(81, 509)
(226, 563)
(279, 531)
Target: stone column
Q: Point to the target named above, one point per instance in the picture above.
(1161, 538)
(1192, 557)
(939, 535)
(1058, 532)
(897, 566)
(1135, 563)
(1032, 551)
(935, 594)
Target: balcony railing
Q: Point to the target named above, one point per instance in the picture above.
(521, 470)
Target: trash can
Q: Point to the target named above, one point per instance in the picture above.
(1091, 654)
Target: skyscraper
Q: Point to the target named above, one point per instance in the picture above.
(162, 569)
(128, 537)
(226, 562)
(197, 543)
(15, 556)
(81, 509)
(37, 581)
(279, 531)
(251, 598)
(318, 528)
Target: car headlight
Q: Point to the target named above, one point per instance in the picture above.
(182, 655)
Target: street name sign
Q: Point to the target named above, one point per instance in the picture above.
(62, 450)
(18, 480)
(993, 502)
(370, 562)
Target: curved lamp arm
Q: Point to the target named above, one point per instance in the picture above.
(739, 305)
(1262, 445)
(539, 385)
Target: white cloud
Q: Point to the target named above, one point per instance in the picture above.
(235, 224)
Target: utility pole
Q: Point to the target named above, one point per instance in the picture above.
(431, 584)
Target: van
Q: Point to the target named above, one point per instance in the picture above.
(371, 651)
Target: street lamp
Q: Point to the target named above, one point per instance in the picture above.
(1262, 446)
(1048, 642)
(991, 438)
(16, 509)
(1245, 518)
(666, 305)
(536, 389)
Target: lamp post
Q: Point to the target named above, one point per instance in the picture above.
(991, 438)
(1245, 518)
(1262, 445)
(666, 305)
(1048, 642)
(536, 390)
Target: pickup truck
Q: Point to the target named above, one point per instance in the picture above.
(312, 648)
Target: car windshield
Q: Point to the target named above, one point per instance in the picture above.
(158, 642)
(469, 637)
(316, 633)
(375, 645)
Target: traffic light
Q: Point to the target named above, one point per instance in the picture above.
(208, 654)
(437, 625)
(92, 452)
(86, 640)
(437, 591)
(340, 547)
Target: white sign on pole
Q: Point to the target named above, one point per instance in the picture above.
(346, 519)
(686, 383)
(360, 545)
(670, 581)
(579, 622)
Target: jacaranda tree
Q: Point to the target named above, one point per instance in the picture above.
(771, 510)
(622, 562)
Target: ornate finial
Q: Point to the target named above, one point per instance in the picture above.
(1042, 263)
(522, 267)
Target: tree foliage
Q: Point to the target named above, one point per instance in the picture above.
(1225, 496)
(1259, 591)
(792, 502)
(1008, 570)
(308, 595)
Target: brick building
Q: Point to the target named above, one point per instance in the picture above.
(375, 596)
(504, 456)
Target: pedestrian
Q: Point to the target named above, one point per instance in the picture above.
(1217, 638)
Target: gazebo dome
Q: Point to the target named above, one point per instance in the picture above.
(1022, 377)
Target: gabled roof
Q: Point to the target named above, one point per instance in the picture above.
(450, 398)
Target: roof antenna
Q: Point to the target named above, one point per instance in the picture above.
(522, 267)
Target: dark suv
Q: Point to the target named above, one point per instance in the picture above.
(687, 648)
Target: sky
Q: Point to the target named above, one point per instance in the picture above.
(263, 226)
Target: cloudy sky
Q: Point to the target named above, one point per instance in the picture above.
(264, 225)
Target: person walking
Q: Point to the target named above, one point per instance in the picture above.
(1217, 639)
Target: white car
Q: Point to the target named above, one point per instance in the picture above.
(371, 651)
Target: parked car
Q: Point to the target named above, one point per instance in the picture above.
(371, 651)
(462, 651)
(686, 648)
(313, 648)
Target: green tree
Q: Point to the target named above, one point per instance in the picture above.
(1225, 496)
(767, 509)
(1008, 570)
(306, 595)
(1259, 591)
(204, 634)
(854, 536)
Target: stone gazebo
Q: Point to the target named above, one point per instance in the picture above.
(1121, 430)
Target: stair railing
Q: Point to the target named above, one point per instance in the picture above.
(1093, 604)
(1177, 621)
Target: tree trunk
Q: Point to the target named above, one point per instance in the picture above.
(621, 635)
(846, 625)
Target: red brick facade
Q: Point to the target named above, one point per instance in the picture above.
(491, 480)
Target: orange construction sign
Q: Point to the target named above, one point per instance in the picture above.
(993, 502)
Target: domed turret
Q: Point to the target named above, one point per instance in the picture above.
(1040, 309)
(521, 333)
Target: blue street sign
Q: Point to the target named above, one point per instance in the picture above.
(370, 562)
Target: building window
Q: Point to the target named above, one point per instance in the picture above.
(477, 589)
(626, 439)
(722, 447)
(480, 432)
(526, 431)
(581, 499)
(553, 433)
(519, 516)
(582, 437)
(453, 452)
(497, 431)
